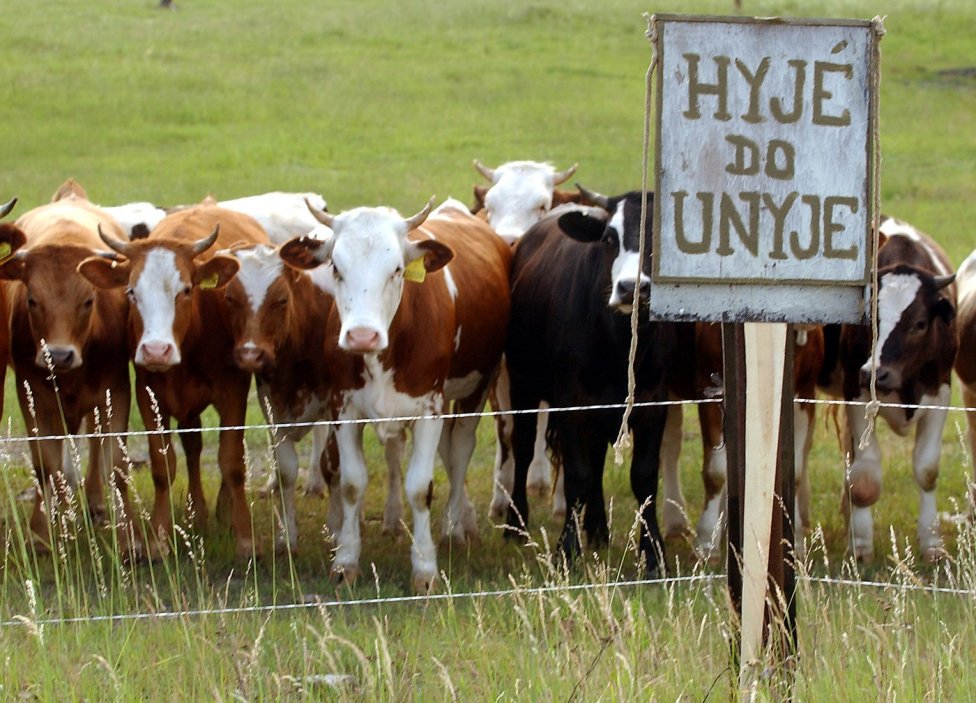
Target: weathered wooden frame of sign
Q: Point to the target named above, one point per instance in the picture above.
(744, 148)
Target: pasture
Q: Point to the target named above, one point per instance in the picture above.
(373, 103)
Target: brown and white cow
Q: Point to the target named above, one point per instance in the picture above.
(521, 194)
(183, 351)
(419, 322)
(912, 363)
(68, 352)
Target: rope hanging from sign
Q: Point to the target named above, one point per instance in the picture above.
(623, 436)
(874, 405)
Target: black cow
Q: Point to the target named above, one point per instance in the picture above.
(575, 277)
(913, 361)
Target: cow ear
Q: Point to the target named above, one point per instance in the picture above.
(139, 231)
(479, 199)
(305, 252)
(584, 226)
(12, 269)
(436, 254)
(105, 273)
(944, 309)
(215, 272)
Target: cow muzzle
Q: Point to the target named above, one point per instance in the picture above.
(157, 355)
(625, 291)
(251, 358)
(363, 340)
(887, 379)
(58, 357)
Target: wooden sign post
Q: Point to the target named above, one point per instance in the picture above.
(765, 189)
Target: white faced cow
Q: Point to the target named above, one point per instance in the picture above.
(521, 193)
(912, 362)
(421, 310)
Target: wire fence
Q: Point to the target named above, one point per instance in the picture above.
(317, 603)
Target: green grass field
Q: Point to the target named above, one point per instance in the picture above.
(388, 103)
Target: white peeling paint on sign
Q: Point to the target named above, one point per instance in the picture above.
(763, 158)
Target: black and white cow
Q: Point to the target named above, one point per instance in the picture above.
(912, 363)
(576, 275)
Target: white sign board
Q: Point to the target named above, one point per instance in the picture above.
(763, 204)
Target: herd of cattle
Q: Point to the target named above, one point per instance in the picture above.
(413, 323)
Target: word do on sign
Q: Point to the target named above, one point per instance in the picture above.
(763, 166)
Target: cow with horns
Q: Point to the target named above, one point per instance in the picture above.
(910, 365)
(183, 351)
(521, 193)
(576, 276)
(68, 351)
(421, 310)
(11, 239)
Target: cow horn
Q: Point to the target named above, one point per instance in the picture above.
(563, 176)
(594, 197)
(488, 173)
(201, 245)
(943, 281)
(320, 215)
(7, 207)
(418, 219)
(111, 242)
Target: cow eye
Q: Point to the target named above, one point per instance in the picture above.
(31, 303)
(89, 303)
(130, 294)
(921, 325)
(187, 290)
(280, 303)
(335, 273)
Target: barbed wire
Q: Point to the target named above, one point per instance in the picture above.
(315, 603)
(309, 424)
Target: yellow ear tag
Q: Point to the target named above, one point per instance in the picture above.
(415, 271)
(4, 251)
(210, 281)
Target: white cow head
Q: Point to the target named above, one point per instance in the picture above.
(520, 195)
(367, 257)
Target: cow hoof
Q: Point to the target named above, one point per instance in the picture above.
(99, 516)
(394, 530)
(345, 575)
(423, 584)
(676, 524)
(497, 509)
(540, 488)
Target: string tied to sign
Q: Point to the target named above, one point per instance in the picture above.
(623, 441)
(874, 405)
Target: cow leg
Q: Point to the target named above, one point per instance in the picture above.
(644, 467)
(711, 524)
(420, 492)
(595, 523)
(558, 492)
(925, 456)
(393, 510)
(803, 417)
(192, 442)
(862, 486)
(329, 467)
(51, 490)
(287, 459)
(503, 473)
(97, 470)
(353, 478)
(116, 410)
(162, 464)
(460, 523)
(576, 469)
(315, 482)
(230, 458)
(539, 480)
(674, 511)
(523, 434)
